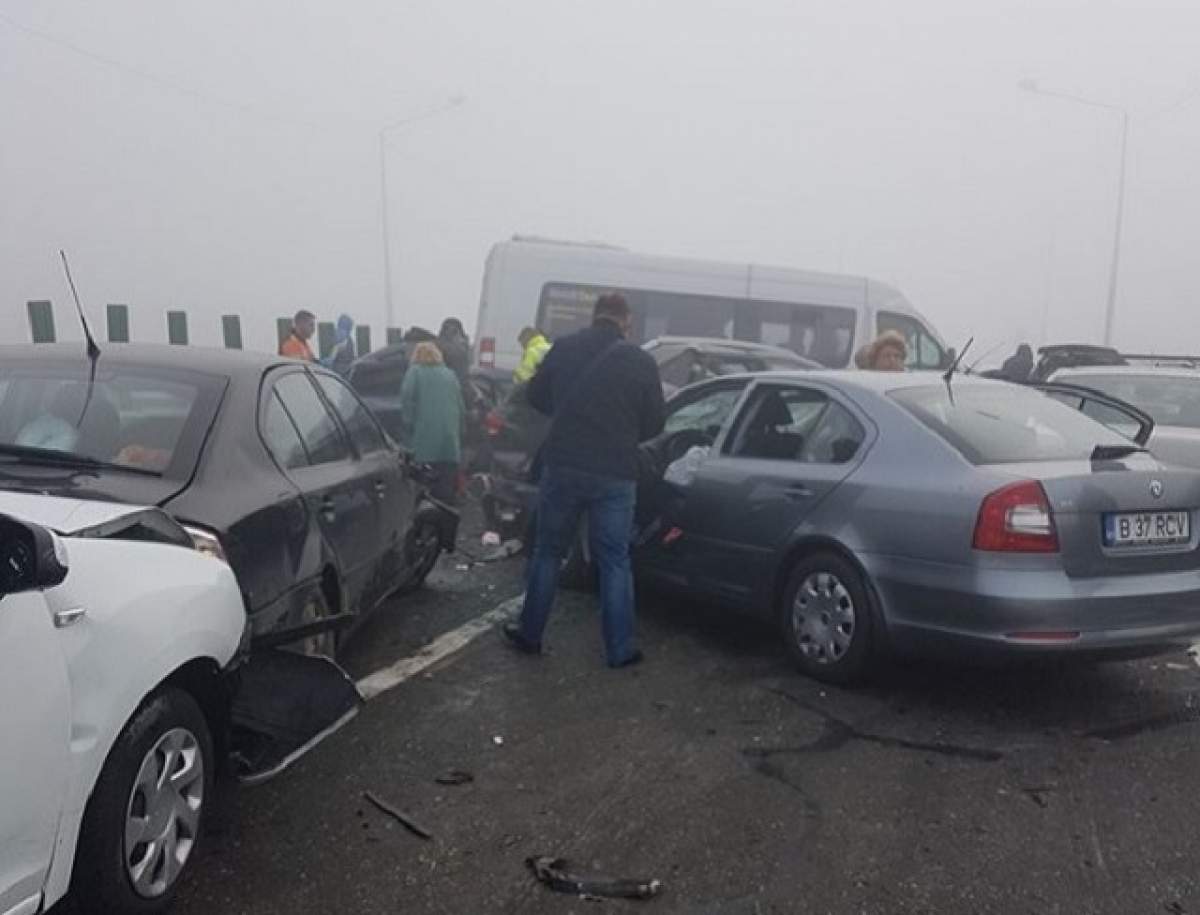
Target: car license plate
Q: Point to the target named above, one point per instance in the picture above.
(1147, 528)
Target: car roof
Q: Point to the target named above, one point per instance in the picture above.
(209, 360)
(874, 382)
(723, 345)
(1166, 371)
(1077, 348)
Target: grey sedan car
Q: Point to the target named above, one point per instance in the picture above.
(867, 512)
(1170, 395)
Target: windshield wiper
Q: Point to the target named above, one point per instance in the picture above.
(1115, 452)
(51, 458)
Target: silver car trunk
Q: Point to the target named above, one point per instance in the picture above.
(1082, 493)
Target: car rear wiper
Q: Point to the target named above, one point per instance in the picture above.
(1115, 452)
(52, 458)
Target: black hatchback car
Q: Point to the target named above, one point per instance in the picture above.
(271, 465)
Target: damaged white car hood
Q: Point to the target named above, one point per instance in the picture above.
(63, 515)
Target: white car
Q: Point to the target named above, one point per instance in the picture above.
(123, 665)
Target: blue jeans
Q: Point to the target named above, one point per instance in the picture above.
(563, 495)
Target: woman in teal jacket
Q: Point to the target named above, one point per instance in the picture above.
(431, 402)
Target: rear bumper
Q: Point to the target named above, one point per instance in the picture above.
(927, 606)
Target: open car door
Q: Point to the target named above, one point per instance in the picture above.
(1123, 418)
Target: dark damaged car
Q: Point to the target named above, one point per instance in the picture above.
(271, 465)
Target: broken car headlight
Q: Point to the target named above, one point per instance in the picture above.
(207, 543)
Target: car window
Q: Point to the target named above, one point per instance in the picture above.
(779, 422)
(824, 333)
(836, 439)
(1117, 420)
(1170, 400)
(361, 426)
(127, 417)
(707, 413)
(320, 434)
(279, 432)
(924, 352)
(1005, 423)
(677, 371)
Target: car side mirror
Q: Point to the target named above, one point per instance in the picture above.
(31, 557)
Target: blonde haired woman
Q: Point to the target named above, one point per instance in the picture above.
(431, 402)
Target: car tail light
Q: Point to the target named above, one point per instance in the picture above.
(493, 423)
(487, 352)
(1016, 519)
(207, 543)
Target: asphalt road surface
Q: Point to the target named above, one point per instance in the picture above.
(715, 768)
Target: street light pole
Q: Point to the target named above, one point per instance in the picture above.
(1029, 85)
(450, 104)
(387, 235)
(1110, 316)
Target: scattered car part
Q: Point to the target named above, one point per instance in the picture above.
(555, 873)
(400, 817)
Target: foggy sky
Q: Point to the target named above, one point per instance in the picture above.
(223, 156)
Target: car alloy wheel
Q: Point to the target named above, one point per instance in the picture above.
(823, 618)
(162, 821)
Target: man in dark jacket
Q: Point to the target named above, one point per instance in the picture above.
(456, 349)
(605, 397)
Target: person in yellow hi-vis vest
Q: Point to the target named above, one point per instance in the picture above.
(534, 346)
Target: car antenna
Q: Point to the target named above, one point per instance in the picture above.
(957, 359)
(93, 351)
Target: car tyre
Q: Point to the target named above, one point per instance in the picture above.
(828, 619)
(168, 734)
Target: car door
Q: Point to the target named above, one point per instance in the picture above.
(339, 495)
(34, 749)
(694, 417)
(394, 491)
(788, 448)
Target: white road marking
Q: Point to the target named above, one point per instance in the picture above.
(438, 650)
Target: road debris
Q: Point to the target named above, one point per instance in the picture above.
(1039, 795)
(553, 872)
(455, 777)
(399, 816)
(490, 538)
(498, 740)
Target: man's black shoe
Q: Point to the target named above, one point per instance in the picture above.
(512, 632)
(632, 661)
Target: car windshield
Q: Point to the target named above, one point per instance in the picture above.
(1169, 399)
(127, 418)
(1004, 424)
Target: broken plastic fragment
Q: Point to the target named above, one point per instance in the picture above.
(455, 777)
(400, 817)
(553, 872)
